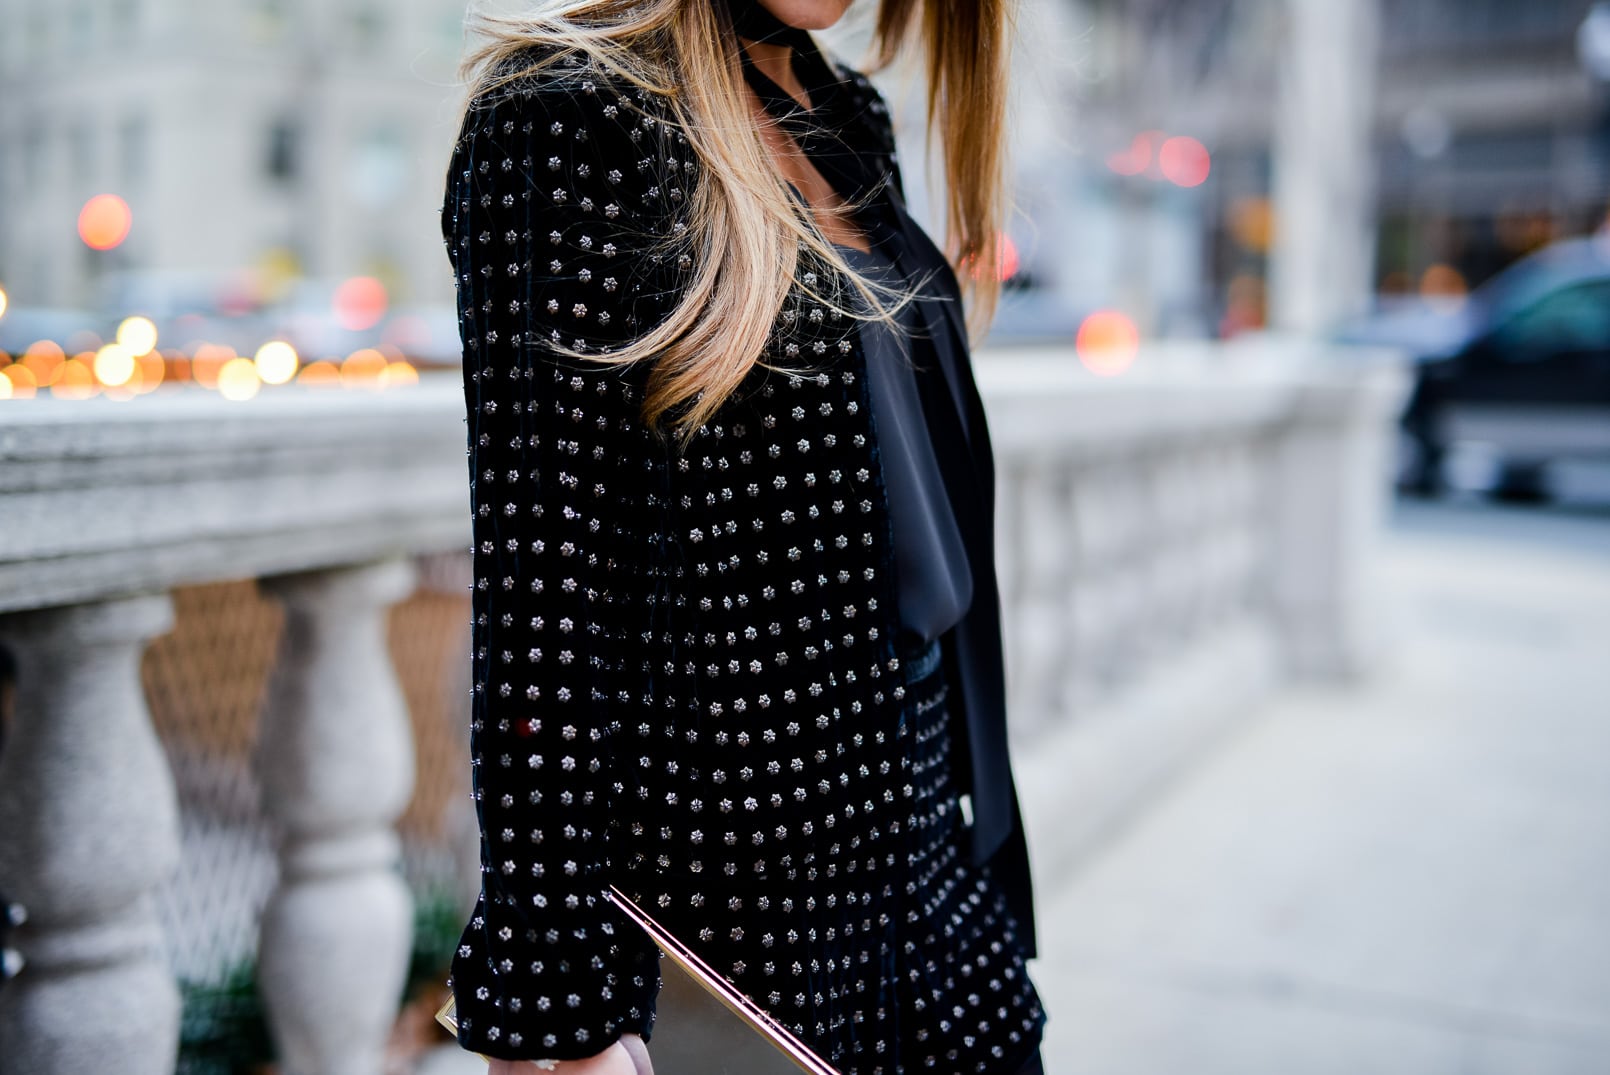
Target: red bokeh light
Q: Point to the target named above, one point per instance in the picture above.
(1107, 343)
(1138, 157)
(104, 222)
(1007, 259)
(1184, 161)
(360, 303)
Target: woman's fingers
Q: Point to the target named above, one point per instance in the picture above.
(615, 1060)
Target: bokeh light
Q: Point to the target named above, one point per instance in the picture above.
(20, 382)
(237, 379)
(408, 330)
(1184, 161)
(362, 368)
(104, 222)
(1252, 223)
(360, 303)
(152, 370)
(5, 301)
(1007, 259)
(1444, 287)
(1107, 342)
(208, 360)
(322, 374)
(1138, 157)
(114, 364)
(44, 360)
(276, 362)
(137, 334)
(1443, 281)
(75, 379)
(399, 373)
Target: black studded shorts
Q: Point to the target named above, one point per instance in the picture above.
(967, 1006)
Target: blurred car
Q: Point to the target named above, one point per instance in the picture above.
(1521, 368)
(72, 330)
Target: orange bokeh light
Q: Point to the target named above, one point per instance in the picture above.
(76, 378)
(152, 371)
(1107, 343)
(43, 359)
(208, 360)
(399, 373)
(362, 368)
(1252, 223)
(322, 373)
(1443, 281)
(104, 222)
(360, 303)
(1184, 161)
(20, 382)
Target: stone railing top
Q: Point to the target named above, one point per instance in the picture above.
(101, 498)
(1043, 398)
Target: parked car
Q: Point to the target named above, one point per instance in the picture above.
(1521, 368)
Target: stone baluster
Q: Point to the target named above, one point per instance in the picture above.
(1328, 515)
(336, 760)
(88, 830)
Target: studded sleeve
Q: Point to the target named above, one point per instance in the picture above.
(548, 226)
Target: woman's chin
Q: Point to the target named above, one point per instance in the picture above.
(807, 14)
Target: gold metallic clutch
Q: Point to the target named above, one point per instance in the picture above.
(447, 1015)
(695, 1037)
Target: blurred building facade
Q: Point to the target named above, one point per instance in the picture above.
(1489, 136)
(253, 140)
(257, 140)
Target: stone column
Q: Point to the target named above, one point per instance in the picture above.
(89, 827)
(1322, 264)
(336, 760)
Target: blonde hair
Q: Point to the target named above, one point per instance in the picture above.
(744, 227)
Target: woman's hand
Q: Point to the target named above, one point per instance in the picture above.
(629, 1056)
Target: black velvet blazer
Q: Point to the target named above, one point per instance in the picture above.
(684, 664)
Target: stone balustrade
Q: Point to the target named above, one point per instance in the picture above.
(1172, 544)
(325, 498)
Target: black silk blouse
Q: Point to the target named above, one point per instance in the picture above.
(935, 580)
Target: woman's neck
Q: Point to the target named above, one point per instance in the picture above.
(775, 60)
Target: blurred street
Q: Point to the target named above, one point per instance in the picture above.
(1410, 877)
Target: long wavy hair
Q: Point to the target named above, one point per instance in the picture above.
(743, 221)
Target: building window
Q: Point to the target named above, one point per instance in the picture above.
(81, 152)
(131, 139)
(34, 148)
(280, 161)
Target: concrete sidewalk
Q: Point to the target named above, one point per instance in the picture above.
(1411, 877)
